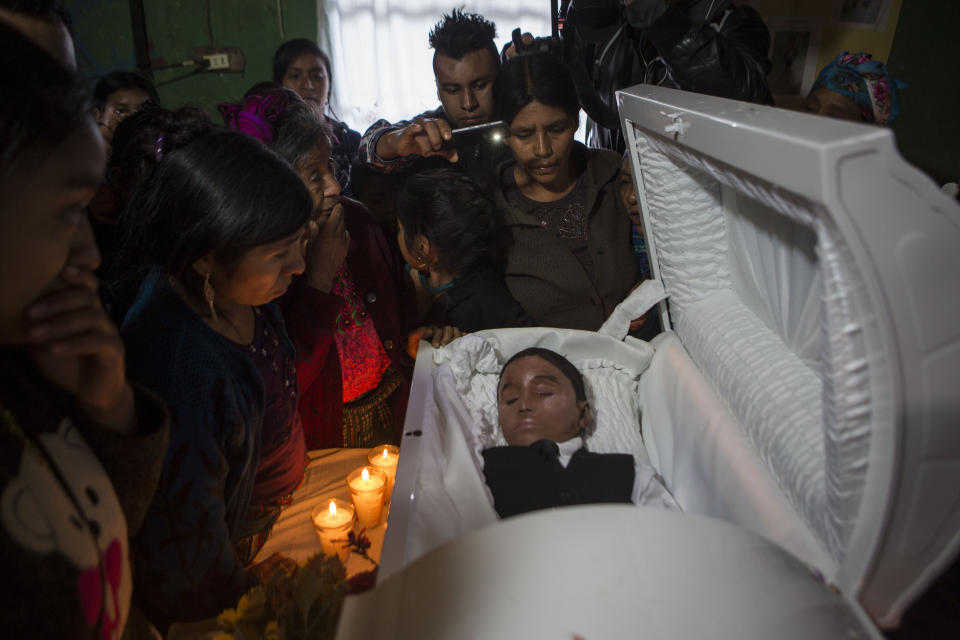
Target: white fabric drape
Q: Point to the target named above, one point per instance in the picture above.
(381, 58)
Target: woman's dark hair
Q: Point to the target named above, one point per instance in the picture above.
(459, 32)
(451, 211)
(120, 80)
(565, 366)
(144, 138)
(262, 88)
(224, 193)
(529, 77)
(293, 49)
(41, 102)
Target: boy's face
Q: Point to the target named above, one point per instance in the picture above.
(465, 87)
(536, 401)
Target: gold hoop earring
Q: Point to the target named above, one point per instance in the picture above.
(208, 295)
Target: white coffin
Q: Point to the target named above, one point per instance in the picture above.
(802, 406)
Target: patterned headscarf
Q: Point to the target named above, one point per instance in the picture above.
(865, 81)
(255, 115)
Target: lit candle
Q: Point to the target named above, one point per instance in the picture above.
(385, 457)
(367, 486)
(333, 522)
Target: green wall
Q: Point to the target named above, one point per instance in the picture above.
(925, 53)
(104, 41)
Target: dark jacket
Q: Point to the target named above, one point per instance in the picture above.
(523, 479)
(705, 46)
(545, 277)
(72, 493)
(311, 316)
(478, 300)
(187, 564)
(346, 147)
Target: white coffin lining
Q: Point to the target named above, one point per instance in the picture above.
(822, 469)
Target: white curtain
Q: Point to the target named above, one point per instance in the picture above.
(382, 61)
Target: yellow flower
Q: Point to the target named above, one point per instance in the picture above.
(272, 632)
(228, 619)
(251, 604)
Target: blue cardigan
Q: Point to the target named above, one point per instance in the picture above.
(187, 567)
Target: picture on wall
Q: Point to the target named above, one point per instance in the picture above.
(863, 14)
(794, 48)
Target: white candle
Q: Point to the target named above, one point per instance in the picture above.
(333, 521)
(385, 457)
(367, 486)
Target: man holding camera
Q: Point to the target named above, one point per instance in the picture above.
(465, 64)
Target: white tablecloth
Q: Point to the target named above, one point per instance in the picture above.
(325, 478)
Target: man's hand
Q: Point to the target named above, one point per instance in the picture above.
(76, 346)
(326, 250)
(422, 137)
(511, 50)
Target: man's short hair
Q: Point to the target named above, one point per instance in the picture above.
(460, 32)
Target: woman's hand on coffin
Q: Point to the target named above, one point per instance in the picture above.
(439, 336)
(276, 562)
(327, 250)
(422, 137)
(76, 346)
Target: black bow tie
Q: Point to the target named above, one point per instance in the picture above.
(546, 449)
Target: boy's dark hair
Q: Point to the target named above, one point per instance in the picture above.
(566, 367)
(451, 211)
(459, 32)
(533, 76)
(41, 102)
(120, 80)
(224, 193)
(293, 49)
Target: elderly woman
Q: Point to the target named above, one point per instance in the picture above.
(855, 87)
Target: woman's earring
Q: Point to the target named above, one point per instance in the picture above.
(208, 295)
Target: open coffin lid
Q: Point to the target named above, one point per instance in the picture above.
(805, 395)
(812, 278)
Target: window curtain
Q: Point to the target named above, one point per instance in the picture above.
(381, 57)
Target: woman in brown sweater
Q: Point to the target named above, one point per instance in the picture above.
(564, 242)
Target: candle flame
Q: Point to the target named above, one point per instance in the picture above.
(365, 475)
(384, 453)
(333, 509)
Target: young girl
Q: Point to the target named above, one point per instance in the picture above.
(302, 66)
(220, 224)
(352, 312)
(445, 229)
(564, 247)
(80, 447)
